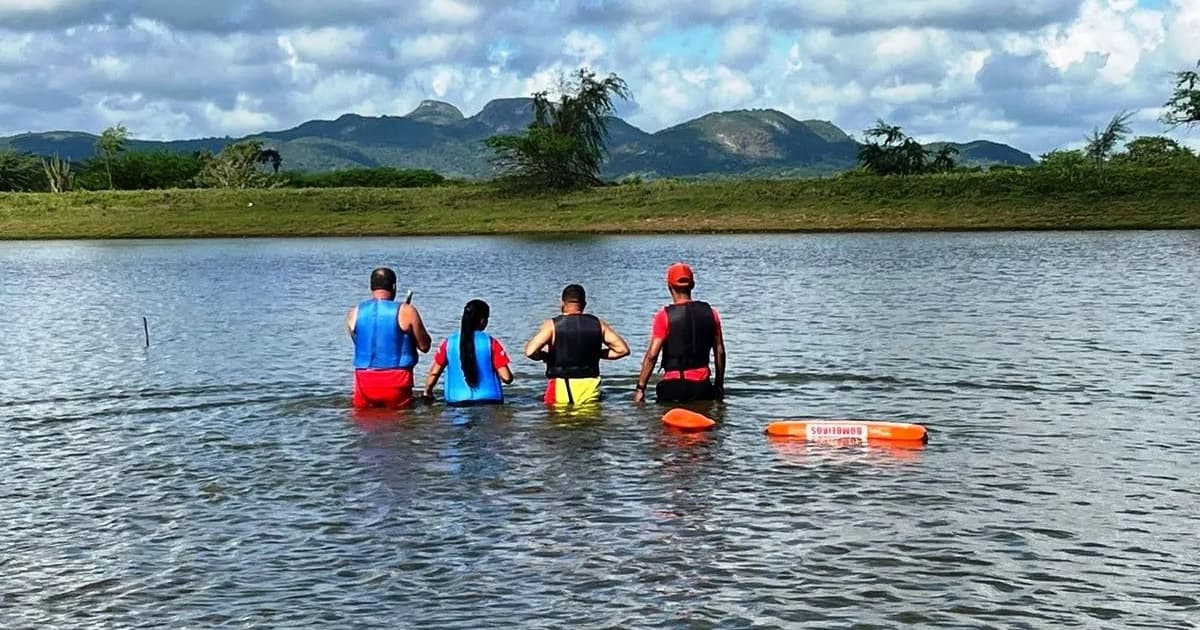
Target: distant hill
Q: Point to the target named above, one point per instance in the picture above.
(436, 135)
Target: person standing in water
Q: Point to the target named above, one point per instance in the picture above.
(685, 333)
(475, 363)
(387, 337)
(572, 346)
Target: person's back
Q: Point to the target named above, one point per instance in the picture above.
(572, 346)
(475, 364)
(685, 334)
(487, 387)
(387, 337)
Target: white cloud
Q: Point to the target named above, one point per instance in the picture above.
(587, 48)
(744, 44)
(449, 12)
(1036, 73)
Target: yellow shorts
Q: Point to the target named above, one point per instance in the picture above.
(572, 391)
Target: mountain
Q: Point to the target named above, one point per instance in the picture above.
(985, 153)
(436, 135)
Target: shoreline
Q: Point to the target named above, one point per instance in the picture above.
(1006, 201)
(582, 235)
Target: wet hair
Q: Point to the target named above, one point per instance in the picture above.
(574, 293)
(475, 315)
(383, 279)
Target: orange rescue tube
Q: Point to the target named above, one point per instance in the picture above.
(687, 420)
(865, 431)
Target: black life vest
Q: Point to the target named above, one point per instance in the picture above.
(690, 331)
(578, 344)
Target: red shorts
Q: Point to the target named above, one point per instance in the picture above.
(383, 388)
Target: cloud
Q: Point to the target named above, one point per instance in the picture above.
(1035, 73)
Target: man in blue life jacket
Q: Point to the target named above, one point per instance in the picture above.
(572, 346)
(387, 337)
(685, 333)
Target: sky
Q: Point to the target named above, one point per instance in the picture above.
(1038, 74)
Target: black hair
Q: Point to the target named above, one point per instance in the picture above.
(574, 293)
(475, 315)
(383, 279)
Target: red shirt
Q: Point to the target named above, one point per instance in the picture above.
(659, 330)
(499, 356)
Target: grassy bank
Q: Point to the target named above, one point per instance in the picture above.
(1020, 199)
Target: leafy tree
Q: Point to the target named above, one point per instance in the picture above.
(889, 151)
(943, 160)
(142, 170)
(110, 143)
(1154, 151)
(20, 172)
(236, 166)
(1102, 144)
(1064, 159)
(1183, 108)
(565, 144)
(272, 157)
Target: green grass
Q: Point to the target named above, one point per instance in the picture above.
(1018, 199)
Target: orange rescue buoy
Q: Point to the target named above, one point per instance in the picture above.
(687, 420)
(864, 431)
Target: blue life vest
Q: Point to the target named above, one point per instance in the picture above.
(489, 389)
(379, 344)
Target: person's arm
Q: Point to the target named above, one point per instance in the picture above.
(719, 361)
(410, 321)
(435, 371)
(648, 362)
(616, 346)
(500, 362)
(535, 349)
(351, 317)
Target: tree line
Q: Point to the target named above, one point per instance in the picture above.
(247, 164)
(562, 148)
(889, 151)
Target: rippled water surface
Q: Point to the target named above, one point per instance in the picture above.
(218, 477)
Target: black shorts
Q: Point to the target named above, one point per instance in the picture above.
(678, 390)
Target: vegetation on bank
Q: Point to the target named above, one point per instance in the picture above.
(1114, 197)
(241, 191)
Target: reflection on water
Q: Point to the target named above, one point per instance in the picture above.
(219, 478)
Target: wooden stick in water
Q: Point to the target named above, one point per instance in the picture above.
(408, 298)
(146, 329)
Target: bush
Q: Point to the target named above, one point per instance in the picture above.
(381, 177)
(142, 170)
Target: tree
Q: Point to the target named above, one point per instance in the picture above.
(142, 170)
(1101, 144)
(1154, 151)
(272, 157)
(1063, 159)
(889, 151)
(1183, 108)
(943, 160)
(19, 172)
(235, 167)
(110, 143)
(59, 175)
(564, 146)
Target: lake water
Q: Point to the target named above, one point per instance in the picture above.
(218, 477)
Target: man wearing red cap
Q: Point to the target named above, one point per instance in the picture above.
(685, 333)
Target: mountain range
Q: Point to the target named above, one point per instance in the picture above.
(437, 136)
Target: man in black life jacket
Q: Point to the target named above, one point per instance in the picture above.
(572, 346)
(685, 334)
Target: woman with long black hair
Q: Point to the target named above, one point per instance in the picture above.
(474, 361)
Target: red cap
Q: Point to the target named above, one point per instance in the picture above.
(680, 275)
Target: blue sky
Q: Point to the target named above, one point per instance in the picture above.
(1038, 74)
